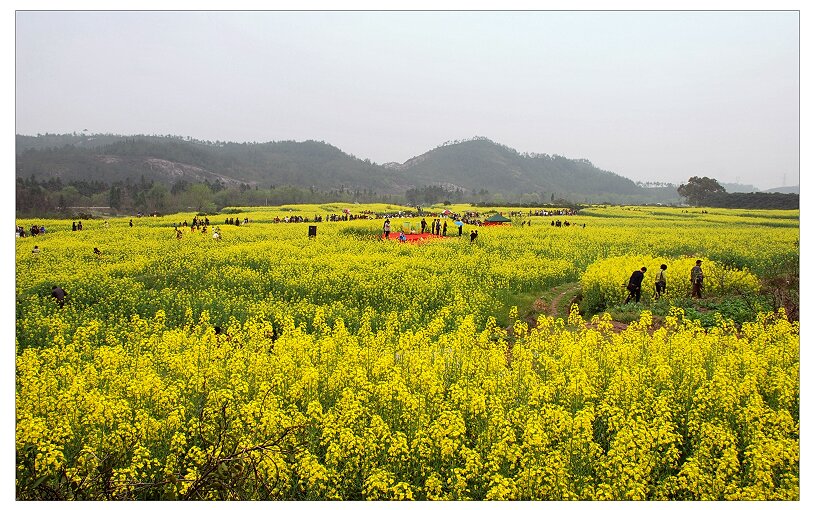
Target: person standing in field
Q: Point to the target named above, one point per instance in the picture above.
(635, 285)
(386, 228)
(424, 225)
(696, 279)
(59, 294)
(661, 282)
(131, 222)
(444, 229)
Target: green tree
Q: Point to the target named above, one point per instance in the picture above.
(157, 197)
(69, 197)
(115, 197)
(199, 196)
(698, 190)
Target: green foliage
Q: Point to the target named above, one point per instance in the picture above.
(753, 200)
(698, 189)
(704, 191)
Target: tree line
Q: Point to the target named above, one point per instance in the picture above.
(707, 192)
(53, 198)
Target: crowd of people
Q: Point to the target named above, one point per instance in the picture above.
(439, 222)
(35, 230)
(564, 223)
(437, 227)
(543, 212)
(202, 225)
(467, 217)
(301, 219)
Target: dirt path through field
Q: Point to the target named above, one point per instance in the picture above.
(556, 303)
(555, 307)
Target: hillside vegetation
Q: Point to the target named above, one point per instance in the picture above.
(475, 170)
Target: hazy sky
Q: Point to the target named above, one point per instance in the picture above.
(653, 96)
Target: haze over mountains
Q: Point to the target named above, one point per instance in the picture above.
(473, 167)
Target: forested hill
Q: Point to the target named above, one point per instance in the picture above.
(480, 163)
(169, 159)
(472, 168)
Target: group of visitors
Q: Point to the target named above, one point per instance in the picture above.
(198, 222)
(437, 227)
(660, 285)
(557, 223)
(35, 230)
(543, 212)
(296, 219)
(40, 229)
(201, 227)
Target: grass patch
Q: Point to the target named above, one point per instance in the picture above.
(525, 303)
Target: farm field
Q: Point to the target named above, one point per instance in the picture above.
(271, 365)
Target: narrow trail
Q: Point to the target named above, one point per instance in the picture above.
(555, 307)
(543, 305)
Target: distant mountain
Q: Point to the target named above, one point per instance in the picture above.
(170, 159)
(480, 163)
(469, 166)
(785, 189)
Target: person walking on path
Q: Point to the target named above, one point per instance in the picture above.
(635, 285)
(661, 282)
(696, 279)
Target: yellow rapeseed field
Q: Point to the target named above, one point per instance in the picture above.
(270, 365)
